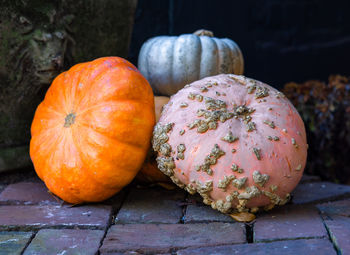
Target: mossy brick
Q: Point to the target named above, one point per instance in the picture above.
(339, 231)
(30, 217)
(290, 247)
(317, 192)
(162, 238)
(152, 205)
(289, 222)
(14, 242)
(65, 241)
(27, 193)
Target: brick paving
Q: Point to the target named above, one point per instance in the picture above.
(160, 238)
(158, 221)
(202, 213)
(291, 247)
(339, 231)
(151, 206)
(341, 208)
(32, 217)
(14, 242)
(17, 193)
(65, 241)
(317, 192)
(289, 222)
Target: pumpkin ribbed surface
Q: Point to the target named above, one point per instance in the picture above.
(91, 133)
(149, 171)
(170, 62)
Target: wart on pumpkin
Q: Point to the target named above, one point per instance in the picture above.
(215, 113)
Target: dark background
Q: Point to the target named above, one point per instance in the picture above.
(281, 40)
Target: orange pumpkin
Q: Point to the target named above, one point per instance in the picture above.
(149, 171)
(159, 102)
(91, 133)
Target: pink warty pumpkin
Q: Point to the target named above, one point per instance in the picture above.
(236, 141)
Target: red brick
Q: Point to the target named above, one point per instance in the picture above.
(290, 247)
(289, 222)
(203, 213)
(339, 231)
(317, 192)
(14, 242)
(65, 241)
(152, 238)
(341, 208)
(155, 205)
(36, 217)
(27, 193)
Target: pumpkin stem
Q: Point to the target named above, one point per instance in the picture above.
(203, 32)
(69, 120)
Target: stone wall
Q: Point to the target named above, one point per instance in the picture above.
(38, 40)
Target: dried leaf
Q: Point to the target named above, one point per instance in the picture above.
(166, 186)
(243, 216)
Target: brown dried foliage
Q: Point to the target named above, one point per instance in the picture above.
(325, 109)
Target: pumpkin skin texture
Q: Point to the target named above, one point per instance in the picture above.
(149, 171)
(159, 102)
(91, 133)
(171, 62)
(236, 141)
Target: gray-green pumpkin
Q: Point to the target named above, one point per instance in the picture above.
(171, 62)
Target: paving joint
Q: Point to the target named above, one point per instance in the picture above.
(289, 239)
(335, 246)
(29, 241)
(249, 231)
